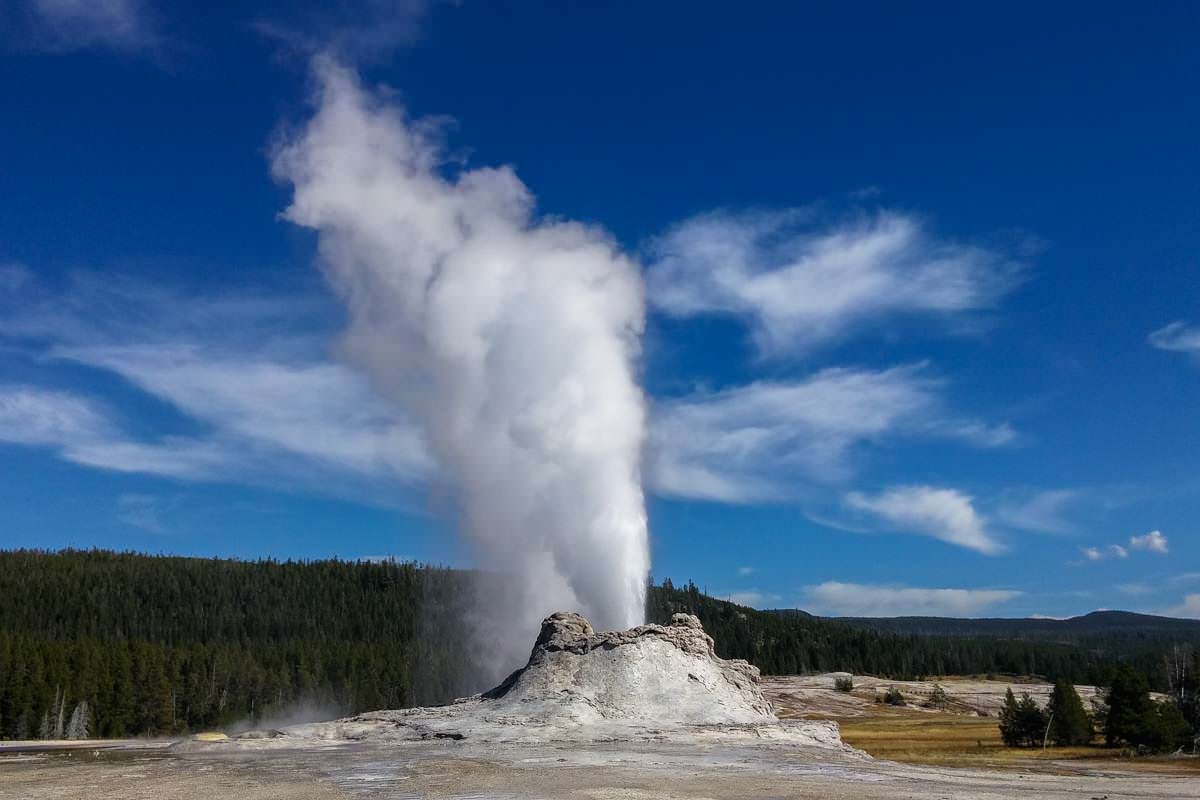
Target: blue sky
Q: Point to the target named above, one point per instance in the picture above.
(923, 286)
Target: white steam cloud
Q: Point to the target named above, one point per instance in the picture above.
(512, 339)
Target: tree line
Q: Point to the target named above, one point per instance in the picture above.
(794, 643)
(1125, 714)
(97, 643)
(132, 645)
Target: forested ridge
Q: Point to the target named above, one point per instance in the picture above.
(120, 644)
(795, 642)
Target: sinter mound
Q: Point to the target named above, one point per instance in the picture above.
(652, 681)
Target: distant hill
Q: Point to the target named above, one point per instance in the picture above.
(1117, 632)
(1097, 622)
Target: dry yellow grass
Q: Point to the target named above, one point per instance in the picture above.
(954, 740)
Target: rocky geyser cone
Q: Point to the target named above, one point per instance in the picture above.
(668, 674)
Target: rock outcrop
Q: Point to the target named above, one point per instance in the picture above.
(649, 682)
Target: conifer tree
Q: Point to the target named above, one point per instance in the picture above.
(1069, 722)
(1129, 708)
(1010, 729)
(1022, 722)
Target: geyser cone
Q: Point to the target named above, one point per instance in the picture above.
(651, 681)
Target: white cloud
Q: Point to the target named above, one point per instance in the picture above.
(32, 416)
(316, 410)
(861, 600)
(1042, 512)
(1153, 541)
(1104, 553)
(751, 597)
(271, 409)
(945, 514)
(751, 442)
(175, 457)
(1189, 608)
(745, 570)
(1134, 589)
(355, 31)
(141, 511)
(1180, 337)
(799, 284)
(60, 26)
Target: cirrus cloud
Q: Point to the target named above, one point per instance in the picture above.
(799, 283)
(944, 514)
(61, 26)
(834, 598)
(752, 443)
(1179, 337)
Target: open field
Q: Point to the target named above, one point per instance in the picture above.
(920, 754)
(814, 696)
(965, 733)
(950, 740)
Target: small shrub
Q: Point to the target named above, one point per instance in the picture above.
(844, 684)
(894, 698)
(938, 698)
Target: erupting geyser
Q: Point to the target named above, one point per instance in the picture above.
(511, 339)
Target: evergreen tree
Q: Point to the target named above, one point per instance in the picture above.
(1168, 729)
(1010, 729)
(1022, 722)
(1069, 722)
(1129, 713)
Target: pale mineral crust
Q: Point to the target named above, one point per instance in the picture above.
(652, 682)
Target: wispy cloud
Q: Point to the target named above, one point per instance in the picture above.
(33, 416)
(945, 514)
(799, 283)
(318, 411)
(1103, 553)
(751, 597)
(141, 511)
(60, 26)
(745, 570)
(246, 371)
(862, 600)
(1153, 541)
(354, 31)
(1134, 589)
(1189, 608)
(1179, 337)
(752, 442)
(1047, 511)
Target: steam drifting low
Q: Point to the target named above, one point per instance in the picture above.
(512, 340)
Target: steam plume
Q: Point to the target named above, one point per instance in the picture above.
(511, 339)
